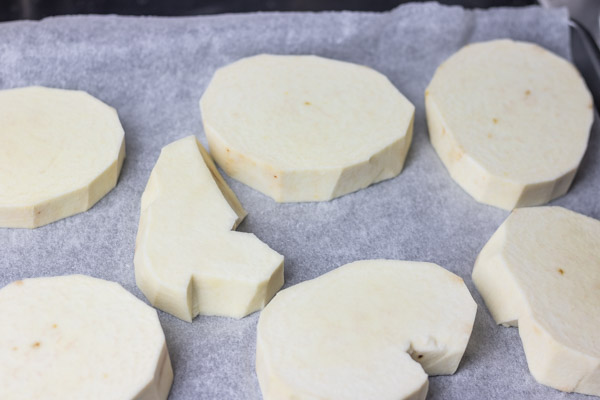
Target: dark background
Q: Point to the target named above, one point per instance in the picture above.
(36, 9)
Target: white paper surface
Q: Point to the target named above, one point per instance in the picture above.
(154, 70)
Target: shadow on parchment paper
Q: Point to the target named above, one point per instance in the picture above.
(591, 155)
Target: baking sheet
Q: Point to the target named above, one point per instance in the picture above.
(154, 70)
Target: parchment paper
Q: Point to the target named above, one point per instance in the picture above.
(154, 70)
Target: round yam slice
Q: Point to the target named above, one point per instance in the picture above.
(541, 271)
(305, 128)
(367, 330)
(61, 151)
(510, 121)
(78, 337)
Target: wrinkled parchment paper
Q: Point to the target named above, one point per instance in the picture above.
(154, 70)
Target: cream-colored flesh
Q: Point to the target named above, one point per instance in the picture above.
(541, 271)
(510, 121)
(188, 261)
(367, 330)
(61, 151)
(305, 128)
(77, 337)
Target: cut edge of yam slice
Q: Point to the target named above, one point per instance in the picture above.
(183, 283)
(555, 358)
(353, 340)
(78, 199)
